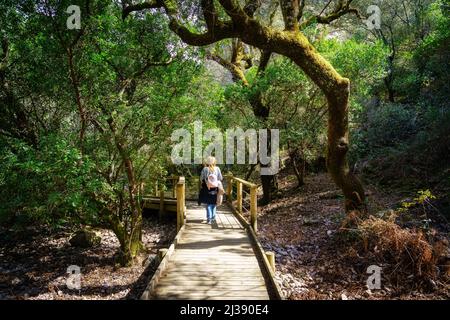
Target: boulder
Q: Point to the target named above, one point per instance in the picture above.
(85, 239)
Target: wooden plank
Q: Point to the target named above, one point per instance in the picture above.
(222, 282)
(234, 298)
(245, 270)
(232, 267)
(211, 291)
(225, 295)
(199, 277)
(215, 258)
(223, 249)
(209, 286)
(226, 260)
(210, 275)
(216, 273)
(233, 223)
(211, 261)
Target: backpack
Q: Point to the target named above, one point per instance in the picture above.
(213, 181)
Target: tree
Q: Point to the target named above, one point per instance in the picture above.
(238, 61)
(292, 43)
(404, 22)
(121, 93)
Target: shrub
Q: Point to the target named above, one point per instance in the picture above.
(407, 249)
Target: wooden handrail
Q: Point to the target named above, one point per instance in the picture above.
(245, 183)
(170, 190)
(240, 183)
(181, 205)
(179, 193)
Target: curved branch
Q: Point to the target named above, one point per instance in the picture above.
(154, 4)
(236, 72)
(221, 31)
(340, 10)
(217, 30)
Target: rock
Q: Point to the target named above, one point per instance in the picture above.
(344, 296)
(85, 239)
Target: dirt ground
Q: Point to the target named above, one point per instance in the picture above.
(33, 264)
(313, 261)
(301, 227)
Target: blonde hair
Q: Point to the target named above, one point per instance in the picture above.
(211, 163)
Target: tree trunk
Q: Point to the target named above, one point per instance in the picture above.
(262, 112)
(389, 79)
(338, 145)
(76, 87)
(266, 182)
(130, 240)
(296, 46)
(130, 243)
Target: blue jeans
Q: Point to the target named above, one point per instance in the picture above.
(210, 212)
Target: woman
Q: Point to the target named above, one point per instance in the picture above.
(211, 178)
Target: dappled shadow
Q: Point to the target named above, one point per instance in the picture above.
(139, 286)
(241, 242)
(34, 265)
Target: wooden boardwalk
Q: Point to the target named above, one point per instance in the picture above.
(212, 261)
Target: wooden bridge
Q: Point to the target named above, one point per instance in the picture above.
(223, 260)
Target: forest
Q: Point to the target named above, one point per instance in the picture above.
(93, 94)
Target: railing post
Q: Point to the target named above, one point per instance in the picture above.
(180, 203)
(253, 208)
(239, 196)
(156, 188)
(229, 188)
(271, 258)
